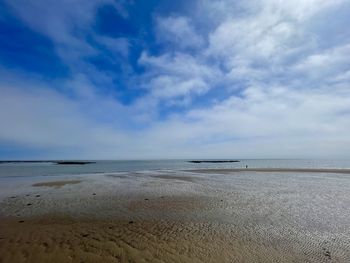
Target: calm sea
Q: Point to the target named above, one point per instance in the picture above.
(51, 169)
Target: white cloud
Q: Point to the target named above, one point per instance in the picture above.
(68, 24)
(119, 45)
(280, 111)
(342, 77)
(177, 75)
(58, 19)
(325, 63)
(283, 87)
(180, 64)
(263, 122)
(276, 122)
(178, 31)
(169, 87)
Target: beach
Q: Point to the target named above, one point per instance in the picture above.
(196, 215)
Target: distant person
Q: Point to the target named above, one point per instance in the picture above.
(246, 167)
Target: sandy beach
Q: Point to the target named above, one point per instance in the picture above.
(241, 215)
(273, 170)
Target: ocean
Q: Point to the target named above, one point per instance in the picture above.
(34, 169)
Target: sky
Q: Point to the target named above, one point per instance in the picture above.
(148, 79)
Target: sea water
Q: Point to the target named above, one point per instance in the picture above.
(28, 169)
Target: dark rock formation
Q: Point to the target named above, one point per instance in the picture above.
(72, 162)
(214, 161)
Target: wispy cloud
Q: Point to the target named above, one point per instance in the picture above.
(178, 32)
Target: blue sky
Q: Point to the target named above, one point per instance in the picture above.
(111, 79)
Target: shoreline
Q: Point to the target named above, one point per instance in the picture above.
(271, 170)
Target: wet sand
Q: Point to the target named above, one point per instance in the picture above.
(69, 240)
(57, 184)
(270, 170)
(173, 216)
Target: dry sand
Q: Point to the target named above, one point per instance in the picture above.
(168, 216)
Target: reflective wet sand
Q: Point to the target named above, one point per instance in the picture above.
(172, 216)
(270, 170)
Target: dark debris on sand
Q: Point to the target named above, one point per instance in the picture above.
(327, 253)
